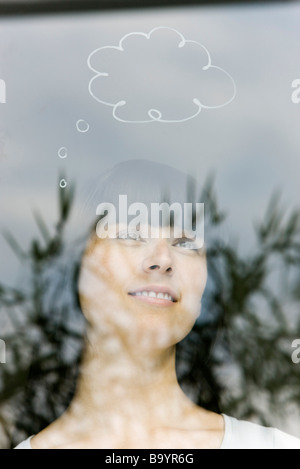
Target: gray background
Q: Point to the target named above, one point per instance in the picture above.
(252, 145)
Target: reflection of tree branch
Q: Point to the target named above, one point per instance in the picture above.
(244, 323)
(14, 245)
(41, 332)
(252, 338)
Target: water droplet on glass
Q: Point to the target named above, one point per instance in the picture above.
(62, 152)
(63, 184)
(82, 126)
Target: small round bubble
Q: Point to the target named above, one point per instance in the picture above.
(63, 184)
(63, 153)
(82, 126)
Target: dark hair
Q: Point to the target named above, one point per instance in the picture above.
(143, 181)
(146, 181)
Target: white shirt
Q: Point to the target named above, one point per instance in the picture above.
(241, 435)
(245, 435)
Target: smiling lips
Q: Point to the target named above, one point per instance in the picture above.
(161, 296)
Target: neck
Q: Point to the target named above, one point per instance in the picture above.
(130, 398)
(121, 385)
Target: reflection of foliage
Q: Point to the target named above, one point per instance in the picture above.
(250, 328)
(236, 360)
(43, 344)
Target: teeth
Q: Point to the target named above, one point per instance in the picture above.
(152, 294)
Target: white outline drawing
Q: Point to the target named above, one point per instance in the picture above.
(63, 184)
(154, 114)
(84, 129)
(63, 153)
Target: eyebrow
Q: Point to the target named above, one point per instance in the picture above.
(187, 235)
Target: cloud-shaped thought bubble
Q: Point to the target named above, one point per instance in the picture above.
(158, 77)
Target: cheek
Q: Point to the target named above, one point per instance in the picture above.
(201, 279)
(117, 266)
(193, 288)
(104, 267)
(103, 274)
(194, 284)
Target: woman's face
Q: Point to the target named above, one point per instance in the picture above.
(147, 289)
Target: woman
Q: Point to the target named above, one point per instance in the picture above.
(140, 288)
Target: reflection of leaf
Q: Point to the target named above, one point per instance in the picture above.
(211, 204)
(66, 197)
(42, 226)
(272, 219)
(14, 245)
(279, 231)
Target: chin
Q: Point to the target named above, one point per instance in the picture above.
(161, 331)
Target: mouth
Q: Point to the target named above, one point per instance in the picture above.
(156, 295)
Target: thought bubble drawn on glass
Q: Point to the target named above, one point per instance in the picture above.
(120, 78)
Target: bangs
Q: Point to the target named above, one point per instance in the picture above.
(144, 194)
(145, 182)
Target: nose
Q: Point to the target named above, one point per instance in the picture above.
(159, 259)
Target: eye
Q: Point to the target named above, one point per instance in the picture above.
(130, 235)
(188, 244)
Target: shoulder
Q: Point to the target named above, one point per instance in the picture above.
(240, 434)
